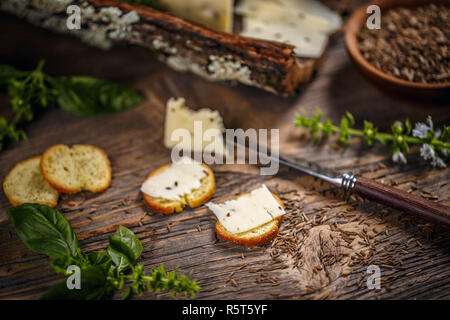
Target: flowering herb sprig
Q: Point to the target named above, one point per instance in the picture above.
(435, 142)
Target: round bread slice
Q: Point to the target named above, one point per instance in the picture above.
(76, 168)
(194, 199)
(256, 237)
(25, 184)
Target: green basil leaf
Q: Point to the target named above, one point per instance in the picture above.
(8, 72)
(93, 286)
(127, 294)
(89, 96)
(124, 243)
(44, 230)
(60, 265)
(119, 260)
(101, 259)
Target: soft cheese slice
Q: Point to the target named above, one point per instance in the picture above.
(247, 212)
(203, 128)
(215, 14)
(181, 178)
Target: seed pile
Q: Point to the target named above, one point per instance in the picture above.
(412, 44)
(325, 245)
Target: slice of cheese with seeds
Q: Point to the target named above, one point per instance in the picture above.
(176, 181)
(247, 212)
(174, 186)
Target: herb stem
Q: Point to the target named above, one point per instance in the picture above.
(434, 142)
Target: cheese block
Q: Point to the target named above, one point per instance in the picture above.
(292, 12)
(181, 178)
(247, 212)
(308, 43)
(275, 12)
(217, 14)
(197, 123)
(316, 9)
(305, 24)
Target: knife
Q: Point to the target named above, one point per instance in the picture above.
(368, 188)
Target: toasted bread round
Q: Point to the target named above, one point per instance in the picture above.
(256, 237)
(76, 168)
(194, 199)
(25, 184)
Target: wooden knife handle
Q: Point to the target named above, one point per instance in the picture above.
(402, 200)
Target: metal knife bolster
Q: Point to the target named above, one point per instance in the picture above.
(348, 181)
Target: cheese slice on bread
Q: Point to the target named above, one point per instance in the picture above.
(251, 219)
(25, 184)
(173, 186)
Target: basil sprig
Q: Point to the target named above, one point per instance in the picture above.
(87, 96)
(45, 230)
(32, 92)
(124, 248)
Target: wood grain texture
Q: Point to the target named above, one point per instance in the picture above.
(133, 142)
(401, 200)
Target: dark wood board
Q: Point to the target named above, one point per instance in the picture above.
(133, 142)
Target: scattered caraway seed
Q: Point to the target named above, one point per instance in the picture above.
(325, 245)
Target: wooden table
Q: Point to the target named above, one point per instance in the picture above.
(133, 142)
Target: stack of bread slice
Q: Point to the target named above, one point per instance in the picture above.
(60, 169)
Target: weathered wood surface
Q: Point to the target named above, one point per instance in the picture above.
(133, 142)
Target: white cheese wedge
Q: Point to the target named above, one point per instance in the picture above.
(217, 14)
(181, 178)
(204, 128)
(305, 24)
(248, 211)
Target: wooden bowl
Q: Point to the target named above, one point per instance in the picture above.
(381, 79)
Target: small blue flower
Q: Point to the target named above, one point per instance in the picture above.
(421, 129)
(427, 153)
(398, 156)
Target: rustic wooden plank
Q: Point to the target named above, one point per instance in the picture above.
(133, 141)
